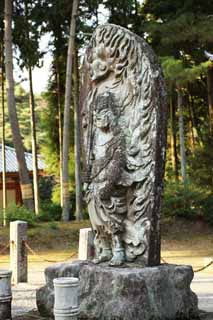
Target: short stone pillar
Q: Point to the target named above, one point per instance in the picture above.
(5, 294)
(66, 306)
(86, 244)
(18, 251)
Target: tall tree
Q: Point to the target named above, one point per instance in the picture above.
(4, 183)
(210, 96)
(54, 17)
(26, 186)
(173, 138)
(2, 76)
(66, 126)
(27, 39)
(77, 126)
(181, 133)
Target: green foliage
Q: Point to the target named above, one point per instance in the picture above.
(179, 27)
(53, 225)
(126, 14)
(201, 168)
(14, 213)
(189, 202)
(49, 212)
(46, 184)
(56, 199)
(26, 34)
(207, 205)
(175, 70)
(22, 107)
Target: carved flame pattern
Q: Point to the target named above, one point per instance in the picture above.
(119, 63)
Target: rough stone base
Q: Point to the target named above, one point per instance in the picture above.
(5, 311)
(106, 293)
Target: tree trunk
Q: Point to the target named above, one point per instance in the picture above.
(66, 126)
(174, 156)
(181, 133)
(34, 144)
(192, 139)
(4, 188)
(26, 186)
(210, 96)
(33, 122)
(198, 135)
(78, 188)
(58, 81)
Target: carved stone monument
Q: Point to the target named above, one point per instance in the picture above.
(124, 134)
(123, 105)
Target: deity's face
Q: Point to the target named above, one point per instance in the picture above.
(103, 119)
(100, 65)
(99, 69)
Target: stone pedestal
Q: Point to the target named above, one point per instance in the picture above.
(127, 293)
(86, 244)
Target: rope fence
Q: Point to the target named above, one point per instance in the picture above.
(35, 254)
(4, 248)
(32, 251)
(195, 270)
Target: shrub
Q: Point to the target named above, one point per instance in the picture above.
(183, 201)
(53, 225)
(49, 212)
(14, 212)
(207, 205)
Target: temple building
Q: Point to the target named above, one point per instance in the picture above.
(12, 174)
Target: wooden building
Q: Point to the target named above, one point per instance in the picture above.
(12, 174)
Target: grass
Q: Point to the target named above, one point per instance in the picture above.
(48, 236)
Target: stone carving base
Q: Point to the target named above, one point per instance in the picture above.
(5, 310)
(106, 293)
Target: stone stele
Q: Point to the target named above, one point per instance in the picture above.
(123, 107)
(152, 293)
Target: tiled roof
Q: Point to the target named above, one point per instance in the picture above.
(11, 160)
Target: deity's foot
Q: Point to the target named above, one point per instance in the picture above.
(106, 255)
(118, 259)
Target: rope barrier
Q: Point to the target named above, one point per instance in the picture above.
(205, 267)
(55, 261)
(43, 259)
(195, 270)
(4, 248)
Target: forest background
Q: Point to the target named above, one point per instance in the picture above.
(179, 32)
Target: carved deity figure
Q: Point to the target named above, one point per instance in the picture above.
(124, 135)
(106, 198)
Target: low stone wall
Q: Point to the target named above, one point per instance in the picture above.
(106, 293)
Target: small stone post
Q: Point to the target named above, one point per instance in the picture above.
(5, 294)
(18, 251)
(86, 244)
(66, 306)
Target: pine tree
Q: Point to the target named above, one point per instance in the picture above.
(26, 186)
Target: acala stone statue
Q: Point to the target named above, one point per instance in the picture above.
(123, 105)
(124, 135)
